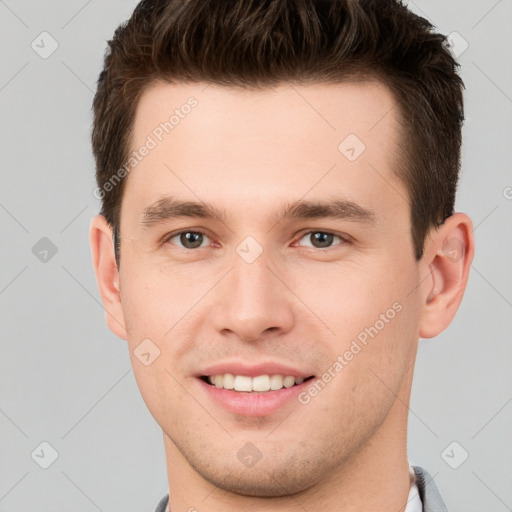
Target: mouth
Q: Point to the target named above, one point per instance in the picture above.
(249, 396)
(258, 385)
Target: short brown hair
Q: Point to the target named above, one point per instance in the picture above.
(258, 43)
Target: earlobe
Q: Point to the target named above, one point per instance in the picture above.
(107, 275)
(448, 256)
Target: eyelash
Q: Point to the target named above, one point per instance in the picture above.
(344, 239)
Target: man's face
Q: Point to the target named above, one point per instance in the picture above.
(256, 289)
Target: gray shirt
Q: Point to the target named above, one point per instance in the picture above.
(432, 501)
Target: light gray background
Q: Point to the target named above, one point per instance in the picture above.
(65, 379)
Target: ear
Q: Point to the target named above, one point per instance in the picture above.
(448, 255)
(107, 275)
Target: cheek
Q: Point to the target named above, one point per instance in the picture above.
(155, 299)
(163, 308)
(371, 318)
(349, 297)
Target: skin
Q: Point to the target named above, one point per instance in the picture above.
(248, 153)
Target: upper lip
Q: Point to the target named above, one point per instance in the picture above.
(253, 370)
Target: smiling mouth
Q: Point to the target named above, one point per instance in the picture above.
(259, 384)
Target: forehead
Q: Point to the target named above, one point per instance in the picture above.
(324, 109)
(224, 144)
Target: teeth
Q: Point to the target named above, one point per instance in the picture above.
(243, 383)
(229, 381)
(261, 383)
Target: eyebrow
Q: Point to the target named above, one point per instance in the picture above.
(170, 208)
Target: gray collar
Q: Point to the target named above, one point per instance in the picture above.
(432, 501)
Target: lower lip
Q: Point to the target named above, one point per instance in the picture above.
(253, 404)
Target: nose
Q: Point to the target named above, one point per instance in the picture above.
(253, 303)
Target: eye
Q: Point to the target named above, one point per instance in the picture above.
(187, 239)
(322, 239)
